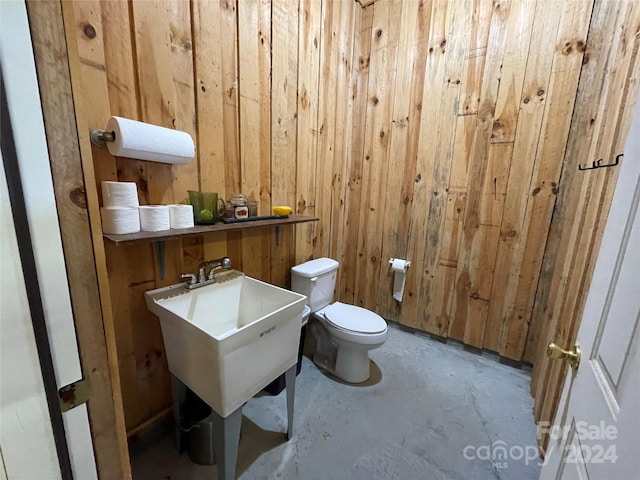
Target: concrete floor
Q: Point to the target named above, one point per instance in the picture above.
(430, 411)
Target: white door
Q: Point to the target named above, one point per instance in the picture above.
(24, 448)
(596, 432)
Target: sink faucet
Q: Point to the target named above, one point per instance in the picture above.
(213, 265)
(203, 277)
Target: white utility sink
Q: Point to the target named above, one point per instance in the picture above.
(226, 341)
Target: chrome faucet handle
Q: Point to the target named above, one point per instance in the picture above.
(191, 278)
(223, 263)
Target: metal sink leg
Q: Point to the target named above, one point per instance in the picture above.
(226, 437)
(290, 384)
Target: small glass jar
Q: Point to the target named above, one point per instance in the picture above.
(253, 208)
(229, 210)
(238, 200)
(241, 212)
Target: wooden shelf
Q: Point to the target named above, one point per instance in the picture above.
(172, 234)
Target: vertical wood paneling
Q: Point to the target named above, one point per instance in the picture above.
(353, 185)
(533, 217)
(327, 103)
(400, 165)
(436, 284)
(382, 67)
(213, 24)
(284, 124)
(165, 75)
(350, 12)
(424, 227)
(254, 90)
(70, 159)
(532, 105)
(309, 41)
(609, 76)
(110, 77)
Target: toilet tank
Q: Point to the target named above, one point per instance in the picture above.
(316, 279)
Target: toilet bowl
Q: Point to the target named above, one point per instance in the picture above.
(343, 333)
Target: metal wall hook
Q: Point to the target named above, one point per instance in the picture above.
(100, 137)
(598, 163)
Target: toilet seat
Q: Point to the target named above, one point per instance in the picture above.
(354, 319)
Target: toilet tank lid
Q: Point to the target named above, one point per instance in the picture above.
(316, 267)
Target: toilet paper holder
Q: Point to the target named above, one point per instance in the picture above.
(100, 137)
(407, 263)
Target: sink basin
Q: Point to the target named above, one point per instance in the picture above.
(226, 341)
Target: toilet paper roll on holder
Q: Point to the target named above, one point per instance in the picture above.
(407, 263)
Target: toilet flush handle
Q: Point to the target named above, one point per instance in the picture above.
(313, 279)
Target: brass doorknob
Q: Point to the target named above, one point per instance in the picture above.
(554, 352)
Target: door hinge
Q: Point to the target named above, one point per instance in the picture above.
(73, 395)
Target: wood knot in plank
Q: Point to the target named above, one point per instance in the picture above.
(304, 99)
(499, 130)
(363, 62)
(78, 197)
(88, 30)
(575, 45)
(302, 205)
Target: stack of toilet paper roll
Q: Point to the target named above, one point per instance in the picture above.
(120, 211)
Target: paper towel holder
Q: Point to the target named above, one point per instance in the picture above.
(100, 137)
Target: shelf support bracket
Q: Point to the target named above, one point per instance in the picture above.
(160, 257)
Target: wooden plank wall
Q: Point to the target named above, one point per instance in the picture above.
(469, 106)
(607, 95)
(440, 131)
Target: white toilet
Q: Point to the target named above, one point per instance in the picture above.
(343, 333)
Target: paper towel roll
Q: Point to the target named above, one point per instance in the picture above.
(119, 194)
(181, 216)
(120, 220)
(399, 267)
(154, 218)
(149, 142)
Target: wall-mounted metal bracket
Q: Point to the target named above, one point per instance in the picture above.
(100, 137)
